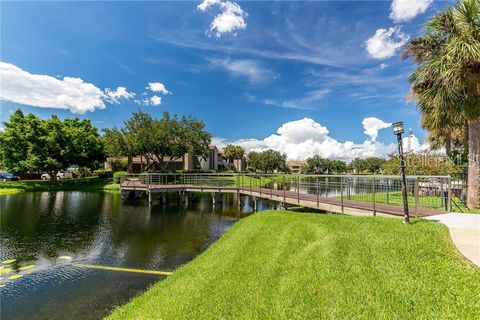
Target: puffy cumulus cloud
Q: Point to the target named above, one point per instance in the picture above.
(121, 93)
(385, 42)
(232, 17)
(45, 91)
(305, 138)
(157, 87)
(155, 100)
(372, 125)
(412, 144)
(405, 10)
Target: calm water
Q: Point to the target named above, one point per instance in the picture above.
(98, 228)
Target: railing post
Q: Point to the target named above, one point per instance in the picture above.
(388, 188)
(416, 196)
(283, 188)
(298, 189)
(341, 193)
(251, 188)
(318, 190)
(373, 195)
(449, 195)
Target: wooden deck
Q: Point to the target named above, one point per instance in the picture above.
(331, 204)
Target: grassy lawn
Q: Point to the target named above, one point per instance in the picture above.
(287, 265)
(84, 184)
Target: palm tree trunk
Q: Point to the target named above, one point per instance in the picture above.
(130, 164)
(473, 196)
(448, 143)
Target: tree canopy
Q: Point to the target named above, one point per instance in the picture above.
(267, 161)
(232, 152)
(446, 83)
(161, 141)
(29, 144)
(371, 165)
(319, 165)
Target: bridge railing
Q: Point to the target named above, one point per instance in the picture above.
(423, 191)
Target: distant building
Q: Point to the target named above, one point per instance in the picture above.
(187, 162)
(295, 166)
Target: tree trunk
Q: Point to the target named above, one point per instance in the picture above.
(130, 164)
(53, 176)
(473, 196)
(448, 143)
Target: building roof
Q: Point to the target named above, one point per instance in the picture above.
(296, 163)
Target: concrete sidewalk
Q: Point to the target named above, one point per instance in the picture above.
(465, 232)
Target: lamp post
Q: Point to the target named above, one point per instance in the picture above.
(398, 130)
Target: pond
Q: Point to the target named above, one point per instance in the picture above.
(56, 231)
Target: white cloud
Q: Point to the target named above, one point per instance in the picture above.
(305, 138)
(155, 100)
(405, 10)
(385, 43)
(372, 125)
(232, 17)
(383, 66)
(45, 91)
(157, 87)
(250, 69)
(120, 93)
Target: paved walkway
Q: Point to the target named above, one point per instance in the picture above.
(465, 232)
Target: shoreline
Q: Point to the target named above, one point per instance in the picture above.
(77, 184)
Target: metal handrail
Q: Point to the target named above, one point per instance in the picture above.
(424, 191)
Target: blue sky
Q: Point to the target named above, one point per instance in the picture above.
(258, 67)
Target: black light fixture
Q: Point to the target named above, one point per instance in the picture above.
(398, 130)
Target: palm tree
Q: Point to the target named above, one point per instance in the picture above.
(445, 130)
(447, 78)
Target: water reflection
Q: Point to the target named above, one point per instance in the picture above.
(99, 228)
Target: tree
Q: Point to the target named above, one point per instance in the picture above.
(267, 161)
(30, 144)
(447, 78)
(15, 142)
(161, 141)
(369, 165)
(316, 165)
(232, 152)
(421, 164)
(117, 144)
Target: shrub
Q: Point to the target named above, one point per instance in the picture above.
(117, 175)
(102, 173)
(83, 172)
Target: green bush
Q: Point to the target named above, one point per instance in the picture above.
(102, 173)
(117, 175)
(84, 172)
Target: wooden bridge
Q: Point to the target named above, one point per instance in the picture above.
(349, 194)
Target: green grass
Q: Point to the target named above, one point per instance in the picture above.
(287, 265)
(395, 198)
(83, 184)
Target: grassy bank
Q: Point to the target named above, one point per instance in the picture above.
(295, 265)
(83, 184)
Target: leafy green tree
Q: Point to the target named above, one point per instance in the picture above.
(20, 133)
(338, 166)
(369, 165)
(316, 165)
(267, 161)
(30, 144)
(422, 164)
(232, 152)
(447, 78)
(161, 141)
